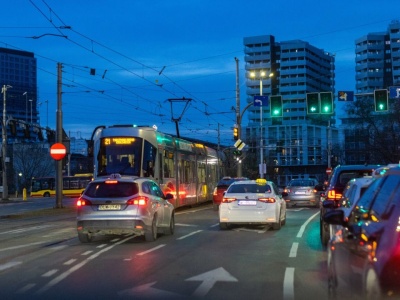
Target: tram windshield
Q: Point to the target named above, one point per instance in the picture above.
(120, 155)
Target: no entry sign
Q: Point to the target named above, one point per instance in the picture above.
(58, 151)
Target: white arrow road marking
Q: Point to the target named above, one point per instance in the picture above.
(209, 279)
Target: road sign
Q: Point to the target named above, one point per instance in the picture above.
(346, 96)
(239, 144)
(394, 92)
(328, 171)
(260, 101)
(58, 151)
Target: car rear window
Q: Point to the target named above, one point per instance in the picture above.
(111, 190)
(249, 188)
(345, 177)
(302, 183)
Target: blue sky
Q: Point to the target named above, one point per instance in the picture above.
(146, 52)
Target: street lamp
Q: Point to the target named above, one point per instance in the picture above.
(262, 74)
(47, 113)
(26, 106)
(4, 144)
(31, 101)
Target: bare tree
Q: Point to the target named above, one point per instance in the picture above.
(382, 142)
(32, 160)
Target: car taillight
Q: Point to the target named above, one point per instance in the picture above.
(228, 200)
(215, 192)
(267, 200)
(333, 195)
(83, 202)
(141, 201)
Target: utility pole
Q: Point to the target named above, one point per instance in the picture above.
(59, 138)
(238, 119)
(4, 143)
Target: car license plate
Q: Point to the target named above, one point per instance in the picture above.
(300, 193)
(247, 202)
(110, 207)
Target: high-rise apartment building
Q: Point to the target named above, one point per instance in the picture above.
(377, 65)
(18, 70)
(296, 144)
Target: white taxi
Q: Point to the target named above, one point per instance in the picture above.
(257, 202)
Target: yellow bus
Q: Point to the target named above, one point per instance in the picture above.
(73, 186)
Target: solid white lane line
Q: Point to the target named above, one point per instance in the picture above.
(303, 227)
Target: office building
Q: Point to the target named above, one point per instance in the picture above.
(296, 144)
(19, 71)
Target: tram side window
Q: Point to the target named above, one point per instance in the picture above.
(169, 165)
(149, 159)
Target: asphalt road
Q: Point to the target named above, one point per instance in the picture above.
(41, 258)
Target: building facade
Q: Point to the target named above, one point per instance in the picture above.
(377, 66)
(18, 71)
(296, 144)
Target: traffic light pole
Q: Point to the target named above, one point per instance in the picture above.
(59, 139)
(238, 117)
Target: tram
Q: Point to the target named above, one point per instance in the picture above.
(187, 169)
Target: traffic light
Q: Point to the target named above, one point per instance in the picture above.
(235, 133)
(381, 100)
(237, 152)
(276, 106)
(312, 103)
(27, 132)
(326, 102)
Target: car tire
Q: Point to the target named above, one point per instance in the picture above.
(171, 228)
(150, 234)
(47, 194)
(284, 220)
(224, 226)
(84, 237)
(371, 286)
(277, 225)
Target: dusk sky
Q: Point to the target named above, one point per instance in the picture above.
(146, 52)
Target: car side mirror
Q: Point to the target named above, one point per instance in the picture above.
(169, 196)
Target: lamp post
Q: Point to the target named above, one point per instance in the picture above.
(47, 113)
(31, 101)
(26, 106)
(4, 144)
(262, 74)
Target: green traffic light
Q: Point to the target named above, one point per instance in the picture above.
(276, 106)
(381, 100)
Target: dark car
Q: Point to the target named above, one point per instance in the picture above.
(364, 257)
(221, 187)
(338, 180)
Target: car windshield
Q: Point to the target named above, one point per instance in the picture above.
(111, 190)
(302, 183)
(249, 188)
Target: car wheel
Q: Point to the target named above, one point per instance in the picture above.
(324, 233)
(84, 237)
(150, 234)
(223, 226)
(277, 225)
(47, 194)
(171, 229)
(284, 220)
(372, 289)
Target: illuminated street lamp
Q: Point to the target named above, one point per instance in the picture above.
(261, 75)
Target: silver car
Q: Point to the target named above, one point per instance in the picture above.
(124, 205)
(302, 192)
